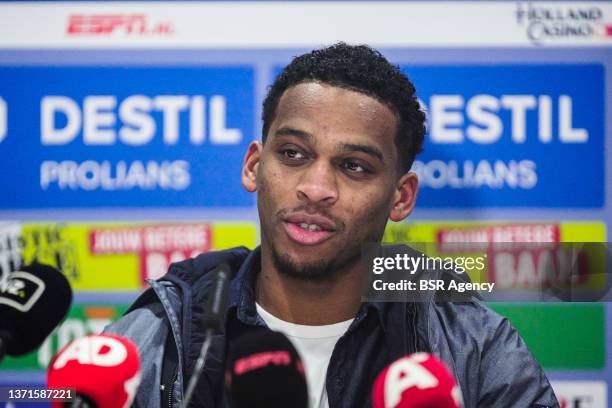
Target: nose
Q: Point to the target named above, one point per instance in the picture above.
(317, 185)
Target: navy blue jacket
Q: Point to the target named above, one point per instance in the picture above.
(491, 362)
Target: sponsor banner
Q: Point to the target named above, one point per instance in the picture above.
(497, 135)
(518, 255)
(508, 272)
(495, 231)
(569, 336)
(553, 332)
(124, 136)
(581, 394)
(234, 24)
(82, 319)
(119, 256)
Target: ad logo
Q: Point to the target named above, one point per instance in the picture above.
(108, 24)
(21, 290)
(561, 22)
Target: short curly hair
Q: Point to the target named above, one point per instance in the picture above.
(362, 69)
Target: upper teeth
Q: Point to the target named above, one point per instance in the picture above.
(310, 227)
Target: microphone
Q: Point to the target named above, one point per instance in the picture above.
(103, 370)
(265, 370)
(213, 320)
(33, 301)
(419, 380)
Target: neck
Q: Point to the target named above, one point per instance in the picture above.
(308, 302)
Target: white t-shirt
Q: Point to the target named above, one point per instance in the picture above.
(315, 345)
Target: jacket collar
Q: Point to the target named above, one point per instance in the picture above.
(242, 290)
(242, 296)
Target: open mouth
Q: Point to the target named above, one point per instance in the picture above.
(308, 230)
(310, 227)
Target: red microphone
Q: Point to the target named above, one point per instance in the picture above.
(419, 380)
(103, 369)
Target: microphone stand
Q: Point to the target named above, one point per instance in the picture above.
(213, 319)
(197, 370)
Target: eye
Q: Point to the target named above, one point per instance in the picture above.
(292, 154)
(354, 167)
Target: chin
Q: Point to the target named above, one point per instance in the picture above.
(301, 267)
(310, 254)
(306, 257)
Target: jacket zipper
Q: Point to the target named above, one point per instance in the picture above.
(170, 390)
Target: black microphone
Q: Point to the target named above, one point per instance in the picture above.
(265, 370)
(33, 301)
(213, 319)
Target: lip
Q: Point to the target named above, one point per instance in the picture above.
(305, 237)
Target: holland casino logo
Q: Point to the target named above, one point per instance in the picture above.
(561, 22)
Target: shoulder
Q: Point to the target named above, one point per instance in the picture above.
(169, 293)
(191, 270)
(474, 330)
(472, 318)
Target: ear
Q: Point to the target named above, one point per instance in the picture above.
(250, 166)
(404, 197)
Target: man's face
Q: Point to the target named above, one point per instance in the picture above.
(327, 179)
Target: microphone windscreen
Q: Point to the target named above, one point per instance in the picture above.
(264, 370)
(214, 313)
(419, 380)
(103, 368)
(33, 301)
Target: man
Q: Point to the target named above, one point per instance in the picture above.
(341, 128)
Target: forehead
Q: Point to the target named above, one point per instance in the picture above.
(339, 114)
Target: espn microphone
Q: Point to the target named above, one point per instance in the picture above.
(33, 301)
(212, 319)
(103, 370)
(264, 370)
(419, 380)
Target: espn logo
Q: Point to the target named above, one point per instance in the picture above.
(106, 24)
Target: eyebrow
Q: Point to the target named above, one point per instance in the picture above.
(289, 131)
(370, 150)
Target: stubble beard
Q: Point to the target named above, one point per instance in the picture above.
(317, 270)
(322, 270)
(342, 261)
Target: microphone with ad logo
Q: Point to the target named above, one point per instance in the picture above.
(103, 370)
(419, 380)
(264, 370)
(213, 320)
(33, 301)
